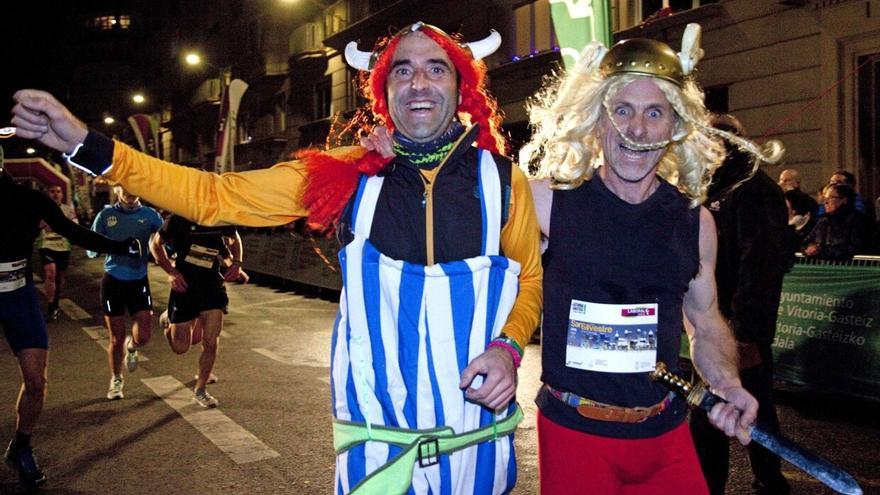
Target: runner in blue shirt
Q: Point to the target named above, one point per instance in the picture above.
(125, 286)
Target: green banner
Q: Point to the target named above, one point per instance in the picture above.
(827, 331)
(577, 23)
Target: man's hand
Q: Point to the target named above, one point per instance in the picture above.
(38, 115)
(379, 141)
(812, 250)
(178, 283)
(135, 249)
(736, 415)
(499, 378)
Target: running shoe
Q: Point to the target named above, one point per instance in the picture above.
(204, 399)
(115, 391)
(22, 459)
(53, 314)
(131, 354)
(212, 378)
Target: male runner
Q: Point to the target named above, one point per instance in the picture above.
(198, 294)
(125, 286)
(54, 252)
(21, 212)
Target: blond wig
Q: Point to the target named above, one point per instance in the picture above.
(567, 113)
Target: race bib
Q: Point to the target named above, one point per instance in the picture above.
(12, 275)
(202, 256)
(613, 338)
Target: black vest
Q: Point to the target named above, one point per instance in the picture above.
(398, 229)
(605, 250)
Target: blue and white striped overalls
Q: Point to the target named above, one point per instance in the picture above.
(403, 335)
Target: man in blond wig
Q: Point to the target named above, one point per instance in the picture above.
(623, 143)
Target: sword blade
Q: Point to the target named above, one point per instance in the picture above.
(834, 477)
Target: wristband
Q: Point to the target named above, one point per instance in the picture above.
(94, 155)
(508, 344)
(512, 342)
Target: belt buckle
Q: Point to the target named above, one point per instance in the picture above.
(640, 414)
(429, 452)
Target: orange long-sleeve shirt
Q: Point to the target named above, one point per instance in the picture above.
(271, 197)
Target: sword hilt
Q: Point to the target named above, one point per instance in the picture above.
(696, 394)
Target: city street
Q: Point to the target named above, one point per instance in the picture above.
(271, 432)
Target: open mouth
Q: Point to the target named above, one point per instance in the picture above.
(420, 106)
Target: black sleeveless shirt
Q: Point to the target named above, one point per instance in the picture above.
(605, 250)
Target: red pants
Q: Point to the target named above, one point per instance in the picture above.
(571, 462)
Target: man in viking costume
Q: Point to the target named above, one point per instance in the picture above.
(624, 142)
(440, 263)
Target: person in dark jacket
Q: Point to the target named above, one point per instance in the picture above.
(840, 233)
(753, 255)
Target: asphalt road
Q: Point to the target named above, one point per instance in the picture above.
(271, 433)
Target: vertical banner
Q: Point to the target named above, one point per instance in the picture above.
(224, 160)
(146, 131)
(577, 23)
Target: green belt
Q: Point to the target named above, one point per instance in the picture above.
(422, 445)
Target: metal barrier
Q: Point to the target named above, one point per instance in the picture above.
(288, 255)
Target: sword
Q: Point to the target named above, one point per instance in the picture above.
(698, 395)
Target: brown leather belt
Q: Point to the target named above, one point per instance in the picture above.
(606, 412)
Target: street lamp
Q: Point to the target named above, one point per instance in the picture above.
(109, 120)
(138, 98)
(193, 59)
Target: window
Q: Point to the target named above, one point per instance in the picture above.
(321, 99)
(533, 28)
(868, 94)
(650, 7)
(108, 22)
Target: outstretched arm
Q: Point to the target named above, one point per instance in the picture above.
(259, 198)
(712, 344)
(56, 219)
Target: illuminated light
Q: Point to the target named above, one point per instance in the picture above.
(30, 151)
(138, 98)
(109, 120)
(193, 59)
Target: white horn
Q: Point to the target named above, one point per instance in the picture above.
(358, 59)
(690, 53)
(485, 47)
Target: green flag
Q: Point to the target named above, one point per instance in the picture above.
(577, 23)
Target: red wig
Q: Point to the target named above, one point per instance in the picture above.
(477, 105)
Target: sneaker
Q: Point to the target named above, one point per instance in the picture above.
(204, 399)
(23, 460)
(163, 320)
(131, 354)
(212, 378)
(115, 391)
(53, 314)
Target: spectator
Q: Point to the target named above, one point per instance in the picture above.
(790, 180)
(848, 179)
(840, 233)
